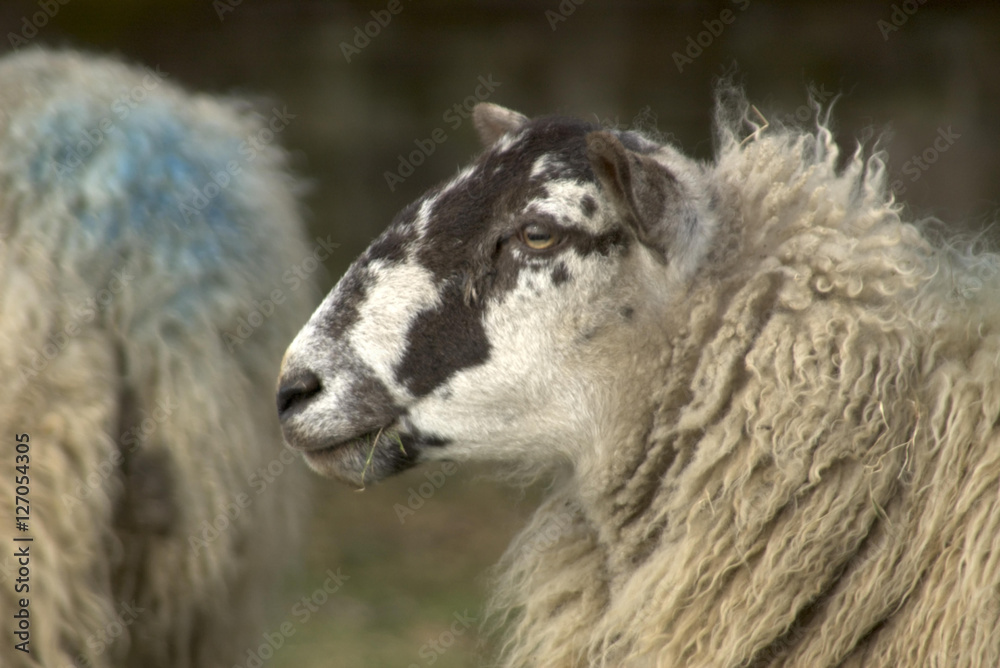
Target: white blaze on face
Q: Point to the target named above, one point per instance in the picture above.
(356, 336)
(395, 295)
(533, 400)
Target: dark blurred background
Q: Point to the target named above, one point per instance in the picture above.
(368, 90)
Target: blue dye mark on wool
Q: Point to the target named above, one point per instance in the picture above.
(135, 185)
(155, 170)
(163, 165)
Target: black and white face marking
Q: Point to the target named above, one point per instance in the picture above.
(475, 326)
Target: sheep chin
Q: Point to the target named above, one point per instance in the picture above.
(365, 459)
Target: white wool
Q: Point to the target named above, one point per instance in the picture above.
(135, 238)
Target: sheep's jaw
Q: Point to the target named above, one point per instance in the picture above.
(366, 458)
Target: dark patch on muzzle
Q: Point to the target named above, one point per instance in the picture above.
(343, 313)
(369, 403)
(442, 341)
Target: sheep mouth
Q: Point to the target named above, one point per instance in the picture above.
(368, 441)
(366, 458)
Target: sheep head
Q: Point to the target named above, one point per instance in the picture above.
(491, 319)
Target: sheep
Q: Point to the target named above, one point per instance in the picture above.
(144, 235)
(766, 407)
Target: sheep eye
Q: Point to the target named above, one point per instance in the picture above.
(538, 237)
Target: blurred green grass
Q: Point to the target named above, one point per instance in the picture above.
(406, 581)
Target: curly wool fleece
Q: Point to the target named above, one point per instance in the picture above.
(819, 485)
(146, 411)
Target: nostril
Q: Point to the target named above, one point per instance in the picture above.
(295, 389)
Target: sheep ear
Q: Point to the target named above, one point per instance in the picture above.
(493, 121)
(644, 192)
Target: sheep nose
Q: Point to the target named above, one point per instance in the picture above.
(296, 389)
